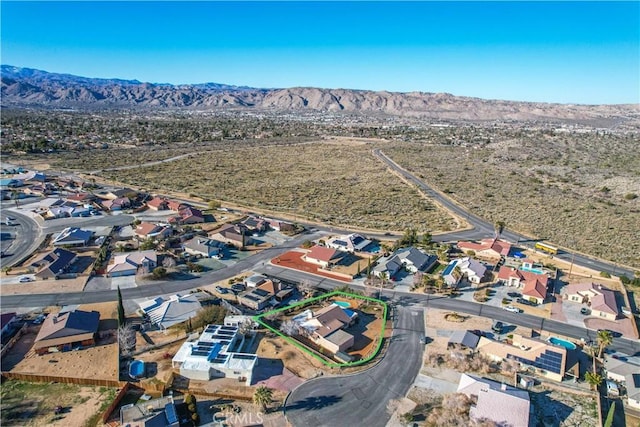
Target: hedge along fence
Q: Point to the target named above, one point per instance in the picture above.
(302, 347)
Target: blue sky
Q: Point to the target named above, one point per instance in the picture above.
(572, 52)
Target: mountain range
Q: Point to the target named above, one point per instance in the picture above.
(30, 87)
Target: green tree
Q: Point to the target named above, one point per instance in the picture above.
(262, 397)
(409, 238)
(608, 422)
(214, 204)
(122, 319)
(604, 340)
(148, 244)
(159, 273)
(594, 379)
(426, 240)
(407, 417)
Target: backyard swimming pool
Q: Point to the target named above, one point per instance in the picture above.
(532, 270)
(563, 343)
(136, 369)
(342, 304)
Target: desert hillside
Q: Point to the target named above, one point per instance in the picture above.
(28, 87)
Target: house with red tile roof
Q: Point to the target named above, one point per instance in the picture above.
(188, 215)
(600, 299)
(146, 230)
(80, 197)
(487, 248)
(176, 206)
(158, 204)
(117, 204)
(322, 256)
(533, 285)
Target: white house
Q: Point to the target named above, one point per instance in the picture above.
(215, 355)
(474, 270)
(349, 243)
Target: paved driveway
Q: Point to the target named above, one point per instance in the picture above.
(361, 399)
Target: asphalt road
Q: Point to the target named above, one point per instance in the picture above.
(361, 399)
(26, 234)
(483, 228)
(157, 288)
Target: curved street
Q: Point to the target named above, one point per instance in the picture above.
(362, 399)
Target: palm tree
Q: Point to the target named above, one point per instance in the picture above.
(604, 339)
(384, 276)
(262, 397)
(593, 379)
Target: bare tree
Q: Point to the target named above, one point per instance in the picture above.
(245, 327)
(126, 339)
(168, 262)
(290, 328)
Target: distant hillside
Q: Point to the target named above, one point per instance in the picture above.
(24, 86)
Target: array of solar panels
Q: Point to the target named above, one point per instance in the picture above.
(260, 292)
(549, 361)
(340, 243)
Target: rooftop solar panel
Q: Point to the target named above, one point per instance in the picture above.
(261, 292)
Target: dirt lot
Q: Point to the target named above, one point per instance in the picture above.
(32, 404)
(44, 286)
(99, 362)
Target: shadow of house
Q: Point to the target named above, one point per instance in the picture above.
(267, 368)
(549, 412)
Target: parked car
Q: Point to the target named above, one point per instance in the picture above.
(25, 279)
(514, 294)
(511, 309)
(525, 302)
(38, 320)
(585, 311)
(222, 290)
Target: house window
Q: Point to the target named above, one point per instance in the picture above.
(603, 314)
(236, 372)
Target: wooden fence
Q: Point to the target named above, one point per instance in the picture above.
(116, 401)
(36, 378)
(13, 340)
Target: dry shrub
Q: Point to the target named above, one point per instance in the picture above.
(288, 355)
(459, 361)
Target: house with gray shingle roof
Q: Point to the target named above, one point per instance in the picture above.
(202, 246)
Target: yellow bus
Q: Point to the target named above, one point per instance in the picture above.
(546, 248)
